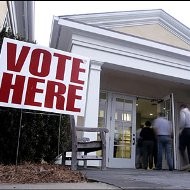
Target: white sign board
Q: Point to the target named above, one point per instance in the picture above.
(39, 78)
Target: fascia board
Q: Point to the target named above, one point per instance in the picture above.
(118, 36)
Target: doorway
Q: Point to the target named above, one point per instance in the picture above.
(123, 115)
(148, 109)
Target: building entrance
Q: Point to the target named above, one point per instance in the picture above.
(123, 115)
(148, 110)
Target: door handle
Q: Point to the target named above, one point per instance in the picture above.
(133, 139)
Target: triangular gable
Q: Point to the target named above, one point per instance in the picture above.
(155, 25)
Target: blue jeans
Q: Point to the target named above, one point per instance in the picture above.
(164, 143)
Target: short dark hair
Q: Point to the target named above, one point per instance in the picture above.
(148, 123)
(183, 106)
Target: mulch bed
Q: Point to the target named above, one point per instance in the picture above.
(39, 173)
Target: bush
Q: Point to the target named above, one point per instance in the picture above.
(7, 32)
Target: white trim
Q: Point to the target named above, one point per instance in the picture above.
(127, 51)
(149, 67)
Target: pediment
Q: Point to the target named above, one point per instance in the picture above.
(155, 25)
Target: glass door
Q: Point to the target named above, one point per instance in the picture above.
(122, 132)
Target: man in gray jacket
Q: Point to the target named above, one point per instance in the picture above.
(163, 130)
(184, 138)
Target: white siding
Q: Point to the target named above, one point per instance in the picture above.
(154, 32)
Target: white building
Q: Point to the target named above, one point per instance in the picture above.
(140, 65)
(19, 16)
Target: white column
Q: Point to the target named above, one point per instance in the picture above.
(92, 104)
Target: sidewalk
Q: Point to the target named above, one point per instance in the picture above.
(92, 185)
(119, 179)
(141, 179)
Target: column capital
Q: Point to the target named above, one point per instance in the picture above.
(95, 65)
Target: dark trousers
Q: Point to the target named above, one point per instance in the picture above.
(148, 151)
(155, 152)
(184, 142)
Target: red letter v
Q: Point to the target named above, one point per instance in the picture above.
(12, 64)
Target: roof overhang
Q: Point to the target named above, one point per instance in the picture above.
(63, 29)
(131, 18)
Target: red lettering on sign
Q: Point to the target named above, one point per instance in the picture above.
(75, 71)
(61, 65)
(12, 64)
(32, 90)
(35, 65)
(6, 86)
(72, 97)
(55, 89)
(34, 77)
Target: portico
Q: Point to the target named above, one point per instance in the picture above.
(125, 66)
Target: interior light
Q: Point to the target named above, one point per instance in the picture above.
(151, 113)
(137, 104)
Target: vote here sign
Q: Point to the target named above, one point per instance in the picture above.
(40, 78)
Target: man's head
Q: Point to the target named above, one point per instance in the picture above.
(148, 123)
(183, 106)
